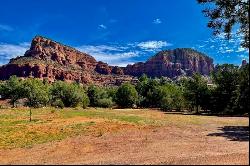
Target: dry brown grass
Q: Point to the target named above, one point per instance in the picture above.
(127, 136)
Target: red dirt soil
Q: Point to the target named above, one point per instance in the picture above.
(154, 145)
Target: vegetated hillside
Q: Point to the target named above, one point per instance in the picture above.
(54, 61)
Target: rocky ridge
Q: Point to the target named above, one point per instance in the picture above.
(54, 61)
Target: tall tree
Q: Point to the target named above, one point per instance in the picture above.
(226, 79)
(36, 92)
(196, 92)
(243, 99)
(225, 14)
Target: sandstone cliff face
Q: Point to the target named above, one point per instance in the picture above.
(173, 63)
(54, 61)
(48, 50)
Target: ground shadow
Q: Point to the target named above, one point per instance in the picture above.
(233, 133)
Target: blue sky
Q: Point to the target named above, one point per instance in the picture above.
(118, 32)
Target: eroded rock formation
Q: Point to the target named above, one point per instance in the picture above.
(54, 61)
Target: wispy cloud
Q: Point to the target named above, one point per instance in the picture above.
(113, 55)
(123, 54)
(8, 51)
(157, 21)
(153, 45)
(102, 26)
(5, 28)
(223, 50)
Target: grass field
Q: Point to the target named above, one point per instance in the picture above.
(51, 125)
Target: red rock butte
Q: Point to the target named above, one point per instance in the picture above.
(54, 61)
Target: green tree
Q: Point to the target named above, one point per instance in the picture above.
(147, 90)
(126, 95)
(243, 99)
(226, 79)
(196, 92)
(171, 97)
(100, 96)
(225, 14)
(12, 89)
(72, 95)
(36, 92)
(95, 94)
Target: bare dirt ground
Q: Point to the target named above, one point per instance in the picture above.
(169, 144)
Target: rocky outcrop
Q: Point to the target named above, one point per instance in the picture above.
(173, 63)
(48, 50)
(54, 61)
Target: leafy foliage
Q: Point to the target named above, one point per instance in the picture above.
(12, 89)
(196, 92)
(100, 97)
(243, 99)
(126, 95)
(72, 95)
(229, 94)
(226, 79)
(171, 97)
(225, 14)
(36, 92)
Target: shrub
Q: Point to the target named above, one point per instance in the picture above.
(105, 103)
(58, 103)
(85, 101)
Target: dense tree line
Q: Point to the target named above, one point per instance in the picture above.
(228, 94)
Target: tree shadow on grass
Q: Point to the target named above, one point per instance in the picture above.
(233, 133)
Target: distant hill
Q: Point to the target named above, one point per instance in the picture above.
(54, 61)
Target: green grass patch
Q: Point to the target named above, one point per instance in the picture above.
(51, 124)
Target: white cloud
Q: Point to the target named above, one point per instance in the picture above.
(8, 51)
(241, 49)
(102, 26)
(243, 57)
(111, 54)
(153, 45)
(157, 21)
(121, 54)
(5, 27)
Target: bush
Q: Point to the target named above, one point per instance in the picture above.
(105, 103)
(58, 103)
(85, 101)
(126, 95)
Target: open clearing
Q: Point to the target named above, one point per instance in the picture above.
(128, 136)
